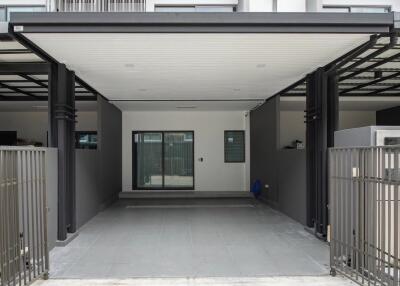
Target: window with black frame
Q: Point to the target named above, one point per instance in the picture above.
(234, 146)
(86, 140)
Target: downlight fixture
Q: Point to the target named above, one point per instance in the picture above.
(186, 107)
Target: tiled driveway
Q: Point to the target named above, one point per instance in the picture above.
(203, 238)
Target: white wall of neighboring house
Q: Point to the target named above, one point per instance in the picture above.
(23, 2)
(150, 4)
(291, 6)
(259, 5)
(33, 125)
(309, 5)
(246, 5)
(395, 4)
(213, 174)
(293, 126)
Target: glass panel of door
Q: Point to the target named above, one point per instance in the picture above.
(164, 160)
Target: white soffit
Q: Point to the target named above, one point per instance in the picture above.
(154, 66)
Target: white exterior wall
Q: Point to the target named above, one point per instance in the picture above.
(23, 2)
(259, 5)
(213, 174)
(291, 6)
(150, 4)
(293, 126)
(309, 5)
(33, 125)
(394, 3)
(247, 5)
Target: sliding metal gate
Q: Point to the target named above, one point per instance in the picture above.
(23, 229)
(364, 214)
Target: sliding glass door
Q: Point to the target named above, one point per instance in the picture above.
(163, 160)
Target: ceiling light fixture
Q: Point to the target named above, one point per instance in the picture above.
(187, 107)
(261, 65)
(40, 106)
(129, 65)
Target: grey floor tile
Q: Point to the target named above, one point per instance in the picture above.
(88, 270)
(183, 242)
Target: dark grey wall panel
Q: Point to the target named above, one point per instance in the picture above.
(388, 117)
(88, 195)
(292, 184)
(110, 151)
(264, 144)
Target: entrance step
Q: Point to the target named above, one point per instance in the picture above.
(183, 194)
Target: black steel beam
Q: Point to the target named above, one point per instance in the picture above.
(374, 82)
(341, 88)
(14, 51)
(380, 91)
(34, 80)
(378, 84)
(371, 68)
(366, 78)
(27, 87)
(346, 58)
(17, 90)
(348, 95)
(4, 97)
(26, 68)
(393, 42)
(86, 86)
(291, 87)
(18, 80)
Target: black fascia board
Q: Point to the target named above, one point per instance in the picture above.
(241, 22)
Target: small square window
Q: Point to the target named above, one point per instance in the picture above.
(85, 139)
(234, 146)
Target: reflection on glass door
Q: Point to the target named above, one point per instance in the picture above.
(178, 159)
(163, 160)
(148, 160)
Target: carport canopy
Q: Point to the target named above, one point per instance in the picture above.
(165, 61)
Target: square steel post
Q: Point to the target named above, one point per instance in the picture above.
(61, 136)
(322, 121)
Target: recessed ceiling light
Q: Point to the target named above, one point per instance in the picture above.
(261, 65)
(187, 107)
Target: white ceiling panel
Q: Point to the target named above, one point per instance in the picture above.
(193, 66)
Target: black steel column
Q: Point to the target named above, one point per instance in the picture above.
(61, 136)
(322, 121)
